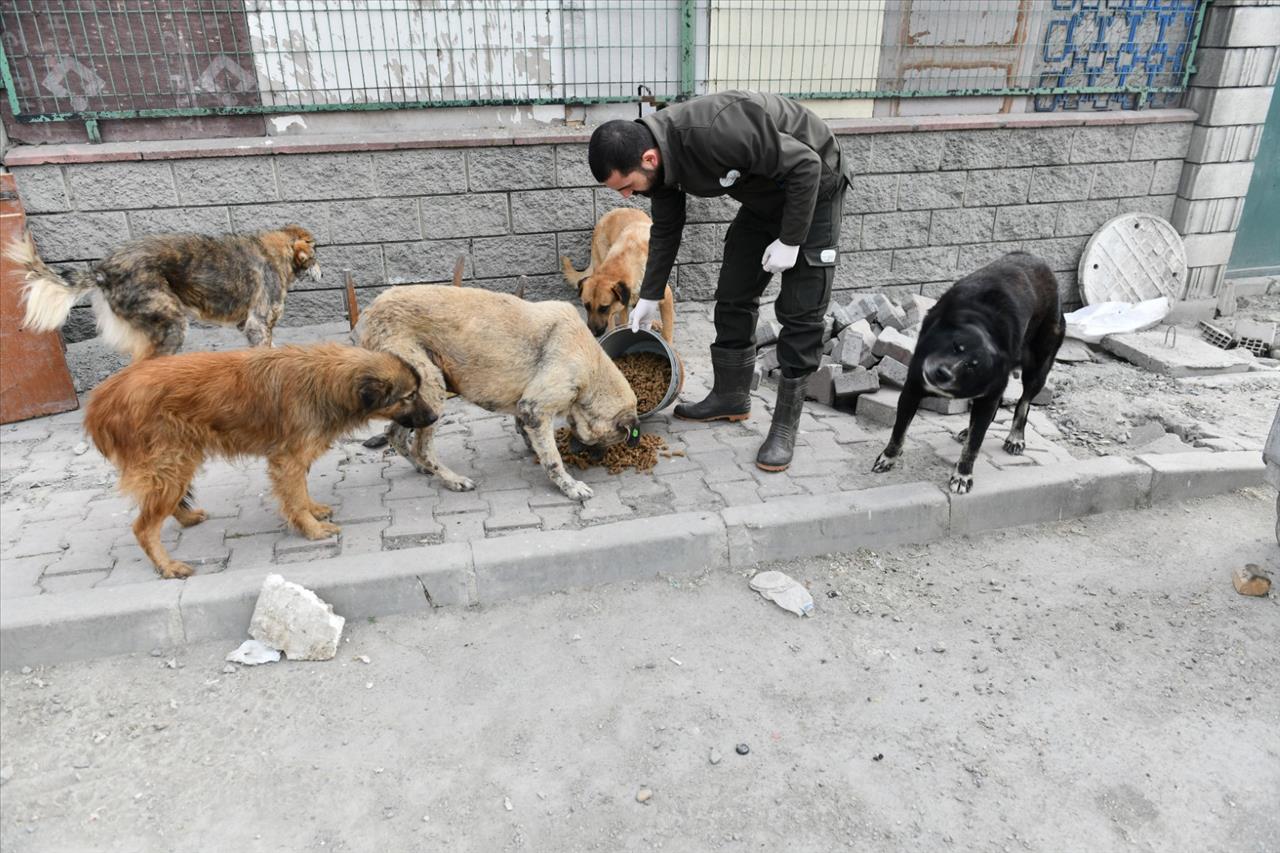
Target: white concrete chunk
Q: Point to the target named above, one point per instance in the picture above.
(295, 621)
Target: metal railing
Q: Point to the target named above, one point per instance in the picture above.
(104, 59)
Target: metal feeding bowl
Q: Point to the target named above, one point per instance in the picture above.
(623, 341)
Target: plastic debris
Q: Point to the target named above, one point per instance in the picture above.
(784, 591)
(254, 652)
(1092, 323)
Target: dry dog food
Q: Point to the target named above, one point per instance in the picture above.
(649, 374)
(616, 458)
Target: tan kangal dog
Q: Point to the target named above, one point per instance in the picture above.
(535, 360)
(610, 286)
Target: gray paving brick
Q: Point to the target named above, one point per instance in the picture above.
(362, 538)
(822, 446)
(817, 485)
(408, 483)
(251, 552)
(71, 504)
(131, 566)
(721, 466)
(845, 430)
(412, 524)
(604, 505)
(20, 576)
(777, 487)
(35, 537)
(737, 493)
(54, 584)
(451, 503)
(362, 475)
(362, 504)
(24, 431)
(509, 510)
(545, 498)
(463, 526)
(559, 517)
(86, 552)
(203, 545)
(296, 549)
(255, 520)
(689, 492)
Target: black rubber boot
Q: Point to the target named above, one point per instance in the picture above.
(730, 397)
(775, 453)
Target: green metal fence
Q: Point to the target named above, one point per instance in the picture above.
(86, 60)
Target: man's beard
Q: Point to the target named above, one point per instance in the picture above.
(654, 177)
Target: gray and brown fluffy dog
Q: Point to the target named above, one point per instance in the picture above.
(143, 291)
(535, 360)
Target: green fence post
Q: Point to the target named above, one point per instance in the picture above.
(688, 49)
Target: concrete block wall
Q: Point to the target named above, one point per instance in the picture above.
(932, 200)
(1237, 63)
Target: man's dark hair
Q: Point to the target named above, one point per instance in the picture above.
(617, 146)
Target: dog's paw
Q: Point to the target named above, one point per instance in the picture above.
(322, 512)
(576, 491)
(1014, 446)
(884, 463)
(321, 530)
(176, 569)
(961, 484)
(459, 484)
(192, 517)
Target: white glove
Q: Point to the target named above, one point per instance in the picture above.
(779, 257)
(644, 314)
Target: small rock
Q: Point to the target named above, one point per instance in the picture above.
(715, 756)
(742, 749)
(1251, 581)
(171, 663)
(363, 658)
(643, 795)
(506, 803)
(26, 670)
(229, 668)
(155, 653)
(80, 449)
(80, 762)
(939, 647)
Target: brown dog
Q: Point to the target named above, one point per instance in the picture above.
(535, 360)
(158, 420)
(143, 291)
(610, 285)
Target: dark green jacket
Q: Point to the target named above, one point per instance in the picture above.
(785, 157)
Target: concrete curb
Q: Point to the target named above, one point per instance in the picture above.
(54, 628)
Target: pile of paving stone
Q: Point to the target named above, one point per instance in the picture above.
(867, 345)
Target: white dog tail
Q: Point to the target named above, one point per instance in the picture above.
(48, 296)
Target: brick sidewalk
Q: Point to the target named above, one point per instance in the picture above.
(66, 528)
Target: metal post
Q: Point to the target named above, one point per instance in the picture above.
(688, 49)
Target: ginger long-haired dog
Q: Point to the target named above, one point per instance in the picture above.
(535, 360)
(143, 291)
(610, 285)
(159, 419)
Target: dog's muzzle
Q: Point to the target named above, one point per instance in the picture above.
(417, 420)
(578, 448)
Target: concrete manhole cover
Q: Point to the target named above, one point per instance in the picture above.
(1134, 257)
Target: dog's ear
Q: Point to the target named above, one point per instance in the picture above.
(581, 282)
(297, 232)
(304, 254)
(375, 393)
(623, 292)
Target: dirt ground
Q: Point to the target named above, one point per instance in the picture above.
(1093, 685)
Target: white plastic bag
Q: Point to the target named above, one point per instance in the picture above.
(784, 591)
(1092, 323)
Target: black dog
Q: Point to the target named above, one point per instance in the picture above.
(1001, 317)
